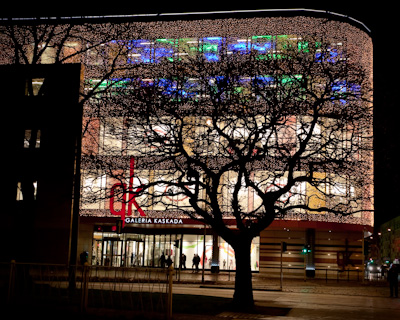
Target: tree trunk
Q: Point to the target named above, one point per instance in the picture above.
(243, 296)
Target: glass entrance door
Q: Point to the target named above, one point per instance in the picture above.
(134, 253)
(113, 252)
(97, 252)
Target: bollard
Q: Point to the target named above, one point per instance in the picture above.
(170, 273)
(281, 266)
(326, 275)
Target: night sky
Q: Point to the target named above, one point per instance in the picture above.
(380, 20)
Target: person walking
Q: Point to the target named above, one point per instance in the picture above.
(393, 278)
(169, 261)
(196, 261)
(84, 257)
(183, 261)
(162, 261)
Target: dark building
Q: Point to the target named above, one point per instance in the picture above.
(43, 120)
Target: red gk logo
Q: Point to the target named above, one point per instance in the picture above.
(131, 196)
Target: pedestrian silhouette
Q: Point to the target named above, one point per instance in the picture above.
(393, 278)
(162, 261)
(169, 261)
(196, 261)
(183, 261)
(83, 257)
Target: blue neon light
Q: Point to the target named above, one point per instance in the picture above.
(154, 51)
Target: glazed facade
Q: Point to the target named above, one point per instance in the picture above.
(149, 232)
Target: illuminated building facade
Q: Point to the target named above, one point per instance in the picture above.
(146, 233)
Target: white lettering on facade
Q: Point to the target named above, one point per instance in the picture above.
(155, 220)
(138, 220)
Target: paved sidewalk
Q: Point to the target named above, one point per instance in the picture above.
(298, 299)
(378, 288)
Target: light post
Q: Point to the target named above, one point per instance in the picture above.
(283, 249)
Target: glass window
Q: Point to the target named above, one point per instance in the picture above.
(140, 51)
(165, 195)
(227, 260)
(341, 187)
(149, 251)
(29, 187)
(313, 145)
(27, 138)
(187, 48)
(49, 55)
(271, 181)
(332, 54)
(238, 45)
(32, 138)
(255, 254)
(33, 86)
(263, 45)
(211, 47)
(164, 49)
(245, 194)
(297, 193)
(111, 133)
(20, 195)
(145, 139)
(285, 42)
(93, 191)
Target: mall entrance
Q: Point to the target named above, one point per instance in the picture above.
(150, 250)
(117, 252)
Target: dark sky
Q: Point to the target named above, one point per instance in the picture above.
(381, 21)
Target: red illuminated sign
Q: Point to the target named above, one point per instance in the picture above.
(123, 212)
(131, 194)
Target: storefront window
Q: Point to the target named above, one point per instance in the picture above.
(133, 250)
(226, 256)
(149, 250)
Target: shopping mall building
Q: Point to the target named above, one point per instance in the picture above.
(126, 234)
